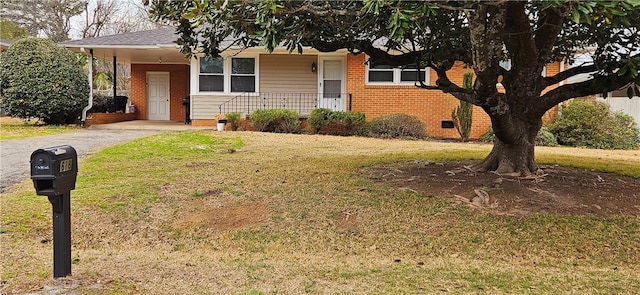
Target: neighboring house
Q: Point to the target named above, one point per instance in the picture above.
(619, 101)
(248, 79)
(4, 45)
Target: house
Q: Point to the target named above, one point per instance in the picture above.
(248, 79)
(4, 45)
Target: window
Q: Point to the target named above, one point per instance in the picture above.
(380, 73)
(212, 74)
(237, 74)
(411, 74)
(243, 76)
(385, 74)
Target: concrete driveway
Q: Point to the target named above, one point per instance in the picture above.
(16, 153)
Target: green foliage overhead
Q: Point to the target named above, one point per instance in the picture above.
(39, 79)
(593, 124)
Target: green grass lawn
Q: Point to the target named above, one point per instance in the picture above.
(255, 213)
(12, 128)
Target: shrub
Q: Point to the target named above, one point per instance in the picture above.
(234, 120)
(544, 137)
(101, 103)
(398, 126)
(348, 123)
(318, 118)
(279, 121)
(488, 136)
(326, 121)
(593, 124)
(39, 79)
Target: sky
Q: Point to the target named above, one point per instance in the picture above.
(77, 22)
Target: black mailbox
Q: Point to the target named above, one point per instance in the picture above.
(54, 170)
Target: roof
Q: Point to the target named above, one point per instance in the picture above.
(144, 47)
(156, 37)
(151, 46)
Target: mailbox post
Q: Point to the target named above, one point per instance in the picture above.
(54, 171)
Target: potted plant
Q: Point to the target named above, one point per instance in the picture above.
(222, 121)
(234, 120)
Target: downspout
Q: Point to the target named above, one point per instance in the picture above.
(90, 105)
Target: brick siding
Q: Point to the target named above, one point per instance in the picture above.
(179, 88)
(430, 106)
(104, 118)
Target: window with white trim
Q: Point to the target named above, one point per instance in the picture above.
(388, 75)
(243, 75)
(212, 74)
(231, 75)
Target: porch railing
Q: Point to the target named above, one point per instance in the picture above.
(303, 103)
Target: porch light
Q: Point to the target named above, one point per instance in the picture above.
(314, 67)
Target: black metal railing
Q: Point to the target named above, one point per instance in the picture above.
(303, 103)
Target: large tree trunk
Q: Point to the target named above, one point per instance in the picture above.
(513, 148)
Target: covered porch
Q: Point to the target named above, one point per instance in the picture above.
(159, 73)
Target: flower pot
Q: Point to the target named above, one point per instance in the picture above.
(221, 124)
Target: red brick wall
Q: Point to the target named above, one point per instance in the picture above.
(431, 106)
(179, 83)
(104, 118)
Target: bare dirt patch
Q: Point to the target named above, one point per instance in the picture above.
(225, 216)
(555, 189)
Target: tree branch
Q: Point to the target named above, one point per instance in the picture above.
(590, 87)
(547, 31)
(566, 74)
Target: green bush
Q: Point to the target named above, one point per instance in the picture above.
(101, 103)
(326, 121)
(233, 119)
(348, 123)
(42, 80)
(488, 136)
(544, 137)
(318, 118)
(278, 120)
(593, 124)
(398, 126)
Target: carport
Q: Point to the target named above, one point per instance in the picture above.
(159, 72)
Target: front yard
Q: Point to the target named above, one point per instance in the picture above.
(258, 213)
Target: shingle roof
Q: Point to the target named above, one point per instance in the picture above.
(160, 36)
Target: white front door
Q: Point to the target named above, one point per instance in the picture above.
(331, 84)
(158, 96)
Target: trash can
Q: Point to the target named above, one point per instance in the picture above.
(186, 102)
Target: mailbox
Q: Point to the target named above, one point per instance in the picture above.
(54, 170)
